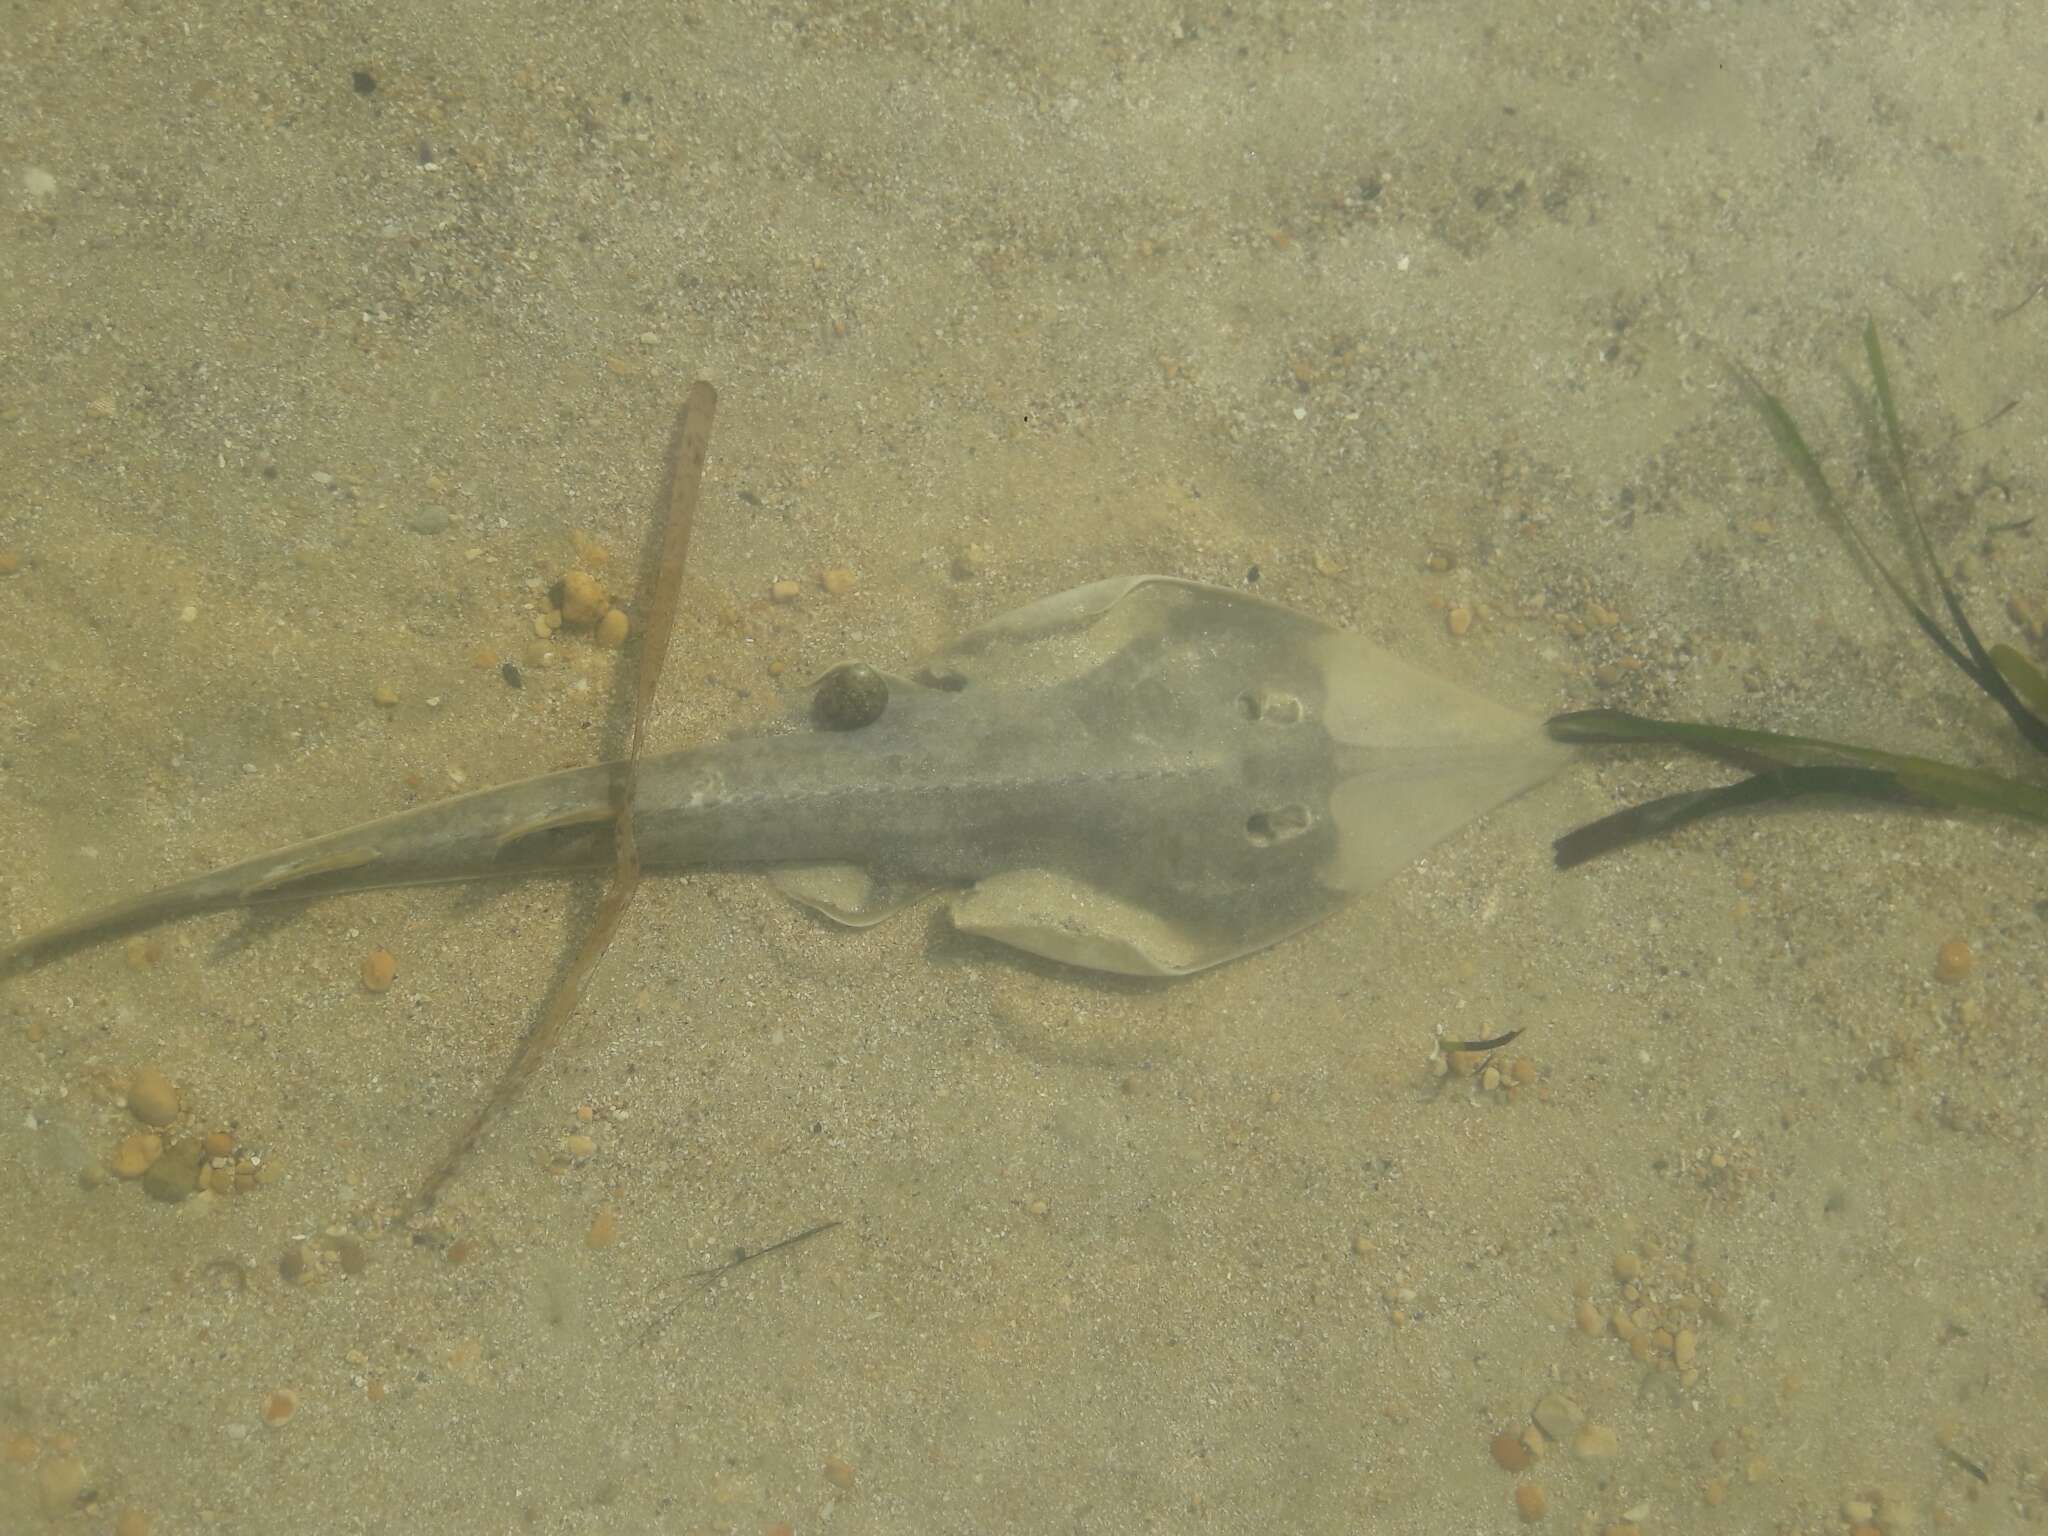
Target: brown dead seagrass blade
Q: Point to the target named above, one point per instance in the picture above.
(688, 446)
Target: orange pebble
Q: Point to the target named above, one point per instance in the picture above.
(380, 969)
(583, 600)
(1952, 961)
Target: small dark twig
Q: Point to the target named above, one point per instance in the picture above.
(1481, 1045)
(2032, 294)
(1964, 1462)
(740, 1256)
(743, 1256)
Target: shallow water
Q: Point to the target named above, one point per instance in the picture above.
(323, 341)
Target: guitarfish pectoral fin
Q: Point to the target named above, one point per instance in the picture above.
(846, 893)
(1043, 913)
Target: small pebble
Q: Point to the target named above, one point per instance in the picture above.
(1595, 1441)
(280, 1406)
(784, 591)
(1685, 1347)
(1509, 1453)
(152, 1097)
(1627, 1266)
(1459, 620)
(582, 599)
(612, 628)
(385, 696)
(1558, 1416)
(428, 519)
(59, 1481)
(131, 1522)
(1952, 962)
(380, 969)
(1589, 1319)
(175, 1175)
(839, 1472)
(604, 1229)
(837, 580)
(1531, 1502)
(133, 1156)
